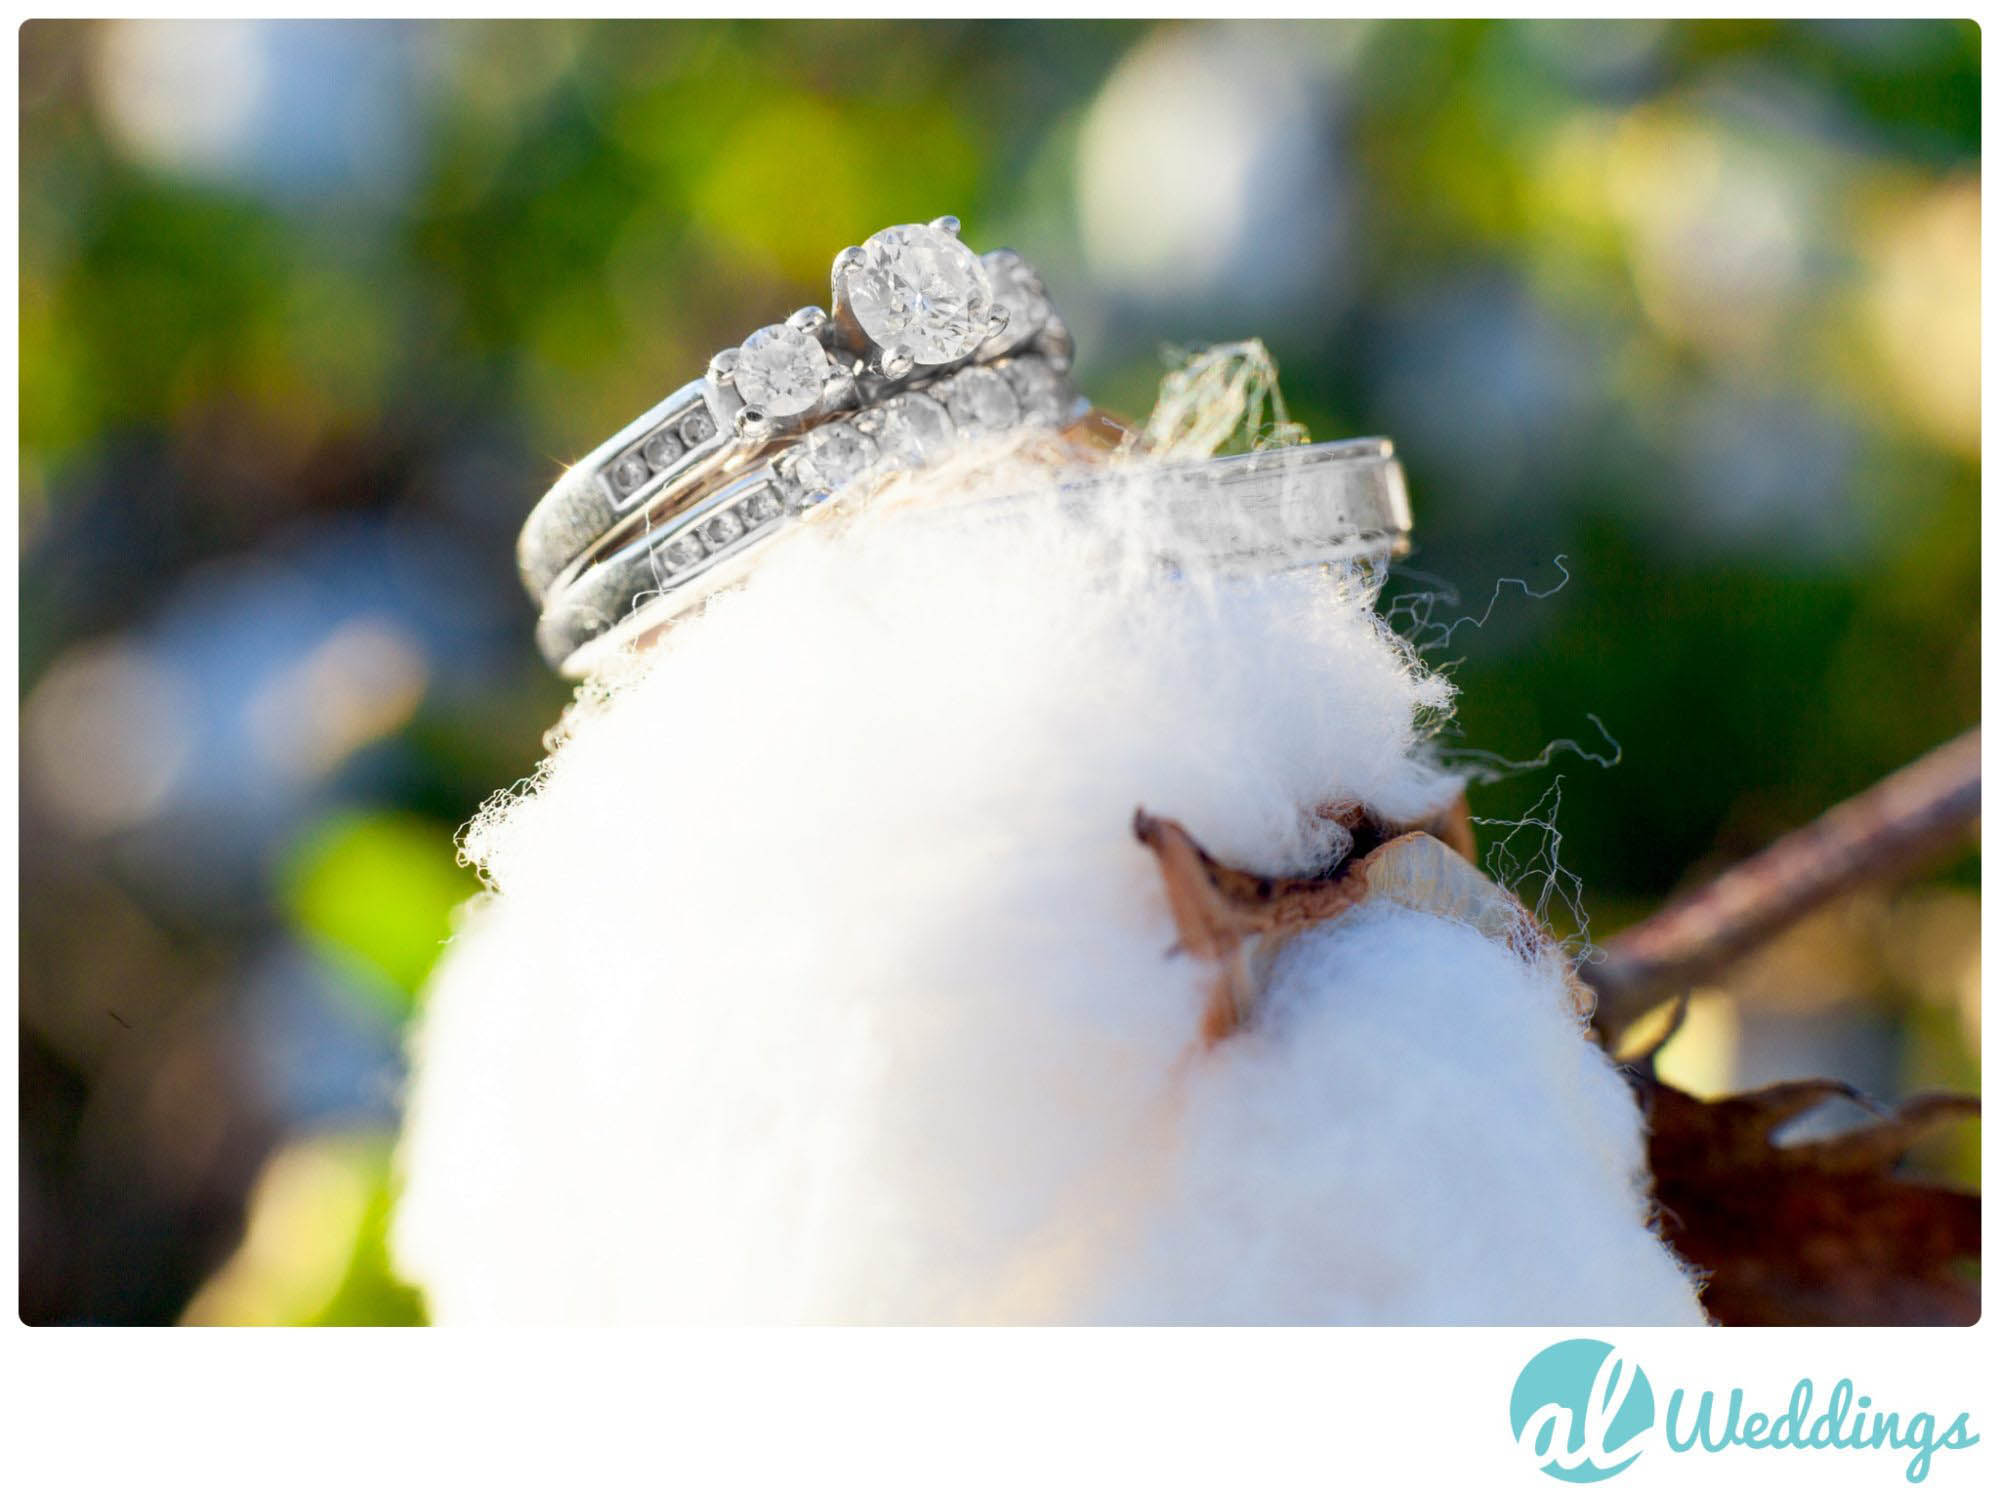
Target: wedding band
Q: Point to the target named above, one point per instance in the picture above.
(1341, 501)
(696, 548)
(909, 304)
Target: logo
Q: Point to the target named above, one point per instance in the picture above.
(1583, 1412)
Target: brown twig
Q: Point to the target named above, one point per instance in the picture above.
(1924, 808)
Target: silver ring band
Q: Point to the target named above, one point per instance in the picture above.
(634, 587)
(1339, 502)
(1296, 505)
(786, 378)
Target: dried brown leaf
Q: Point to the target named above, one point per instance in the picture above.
(1817, 1232)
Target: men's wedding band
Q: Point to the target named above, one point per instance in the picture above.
(1341, 501)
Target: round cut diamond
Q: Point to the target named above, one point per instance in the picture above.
(834, 455)
(629, 474)
(915, 431)
(696, 428)
(683, 551)
(719, 529)
(1039, 389)
(662, 450)
(797, 484)
(919, 290)
(1017, 291)
(762, 505)
(981, 402)
(780, 371)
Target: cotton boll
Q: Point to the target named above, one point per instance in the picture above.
(822, 979)
(1415, 1134)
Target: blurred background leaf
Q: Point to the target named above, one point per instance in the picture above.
(377, 890)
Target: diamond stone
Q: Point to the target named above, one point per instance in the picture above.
(683, 551)
(662, 450)
(919, 290)
(1019, 293)
(1039, 389)
(696, 428)
(981, 402)
(915, 431)
(780, 371)
(795, 485)
(761, 506)
(835, 454)
(629, 474)
(718, 530)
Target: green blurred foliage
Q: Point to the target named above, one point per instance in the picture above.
(377, 891)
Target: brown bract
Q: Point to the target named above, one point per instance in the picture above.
(1238, 919)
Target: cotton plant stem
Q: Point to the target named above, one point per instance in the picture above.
(1921, 810)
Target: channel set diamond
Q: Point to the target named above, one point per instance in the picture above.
(662, 450)
(761, 506)
(685, 550)
(629, 473)
(720, 529)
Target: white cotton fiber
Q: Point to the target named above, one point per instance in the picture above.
(823, 979)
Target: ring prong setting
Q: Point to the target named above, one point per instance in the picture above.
(894, 362)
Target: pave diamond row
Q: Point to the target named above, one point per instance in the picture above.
(906, 432)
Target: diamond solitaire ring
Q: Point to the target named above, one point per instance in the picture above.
(694, 551)
(909, 304)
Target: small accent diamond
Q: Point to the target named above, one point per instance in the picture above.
(628, 475)
(761, 505)
(917, 289)
(683, 551)
(780, 371)
(834, 455)
(1016, 288)
(662, 450)
(915, 431)
(981, 403)
(721, 528)
(1038, 387)
(696, 428)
